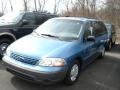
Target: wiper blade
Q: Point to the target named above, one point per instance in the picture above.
(49, 35)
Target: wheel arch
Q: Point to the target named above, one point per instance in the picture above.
(7, 35)
(79, 59)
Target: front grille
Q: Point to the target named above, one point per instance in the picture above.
(24, 59)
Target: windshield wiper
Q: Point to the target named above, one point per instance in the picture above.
(49, 35)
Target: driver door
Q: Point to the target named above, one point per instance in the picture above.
(89, 46)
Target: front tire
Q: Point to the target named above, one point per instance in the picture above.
(4, 43)
(72, 74)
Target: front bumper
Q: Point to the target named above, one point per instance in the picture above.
(32, 73)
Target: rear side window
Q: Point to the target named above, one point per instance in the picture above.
(41, 18)
(99, 28)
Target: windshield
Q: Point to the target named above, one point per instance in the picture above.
(61, 28)
(11, 17)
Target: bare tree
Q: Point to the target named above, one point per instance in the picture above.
(113, 11)
(67, 5)
(88, 8)
(35, 5)
(11, 5)
(42, 4)
(56, 6)
(25, 5)
(93, 7)
(3, 6)
(81, 6)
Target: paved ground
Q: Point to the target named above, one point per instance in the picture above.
(103, 74)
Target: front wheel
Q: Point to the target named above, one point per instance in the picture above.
(72, 74)
(4, 43)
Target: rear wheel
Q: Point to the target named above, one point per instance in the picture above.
(4, 43)
(109, 45)
(72, 74)
(102, 52)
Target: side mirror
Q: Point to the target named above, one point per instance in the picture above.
(91, 38)
(24, 22)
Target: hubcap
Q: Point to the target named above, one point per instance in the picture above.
(3, 48)
(74, 72)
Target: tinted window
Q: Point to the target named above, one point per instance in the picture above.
(30, 17)
(99, 28)
(41, 18)
(87, 30)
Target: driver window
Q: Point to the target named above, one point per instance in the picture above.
(88, 31)
(30, 17)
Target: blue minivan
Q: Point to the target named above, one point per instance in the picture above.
(57, 50)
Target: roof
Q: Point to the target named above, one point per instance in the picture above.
(37, 12)
(77, 18)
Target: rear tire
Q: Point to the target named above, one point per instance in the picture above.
(109, 45)
(4, 43)
(102, 52)
(72, 74)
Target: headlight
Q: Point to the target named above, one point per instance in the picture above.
(7, 51)
(57, 62)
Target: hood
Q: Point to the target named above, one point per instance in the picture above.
(40, 47)
(6, 25)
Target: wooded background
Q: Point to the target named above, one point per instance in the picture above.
(108, 10)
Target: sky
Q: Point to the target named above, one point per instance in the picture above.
(18, 5)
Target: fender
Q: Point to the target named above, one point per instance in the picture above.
(9, 34)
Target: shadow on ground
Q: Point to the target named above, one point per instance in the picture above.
(1, 65)
(116, 49)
